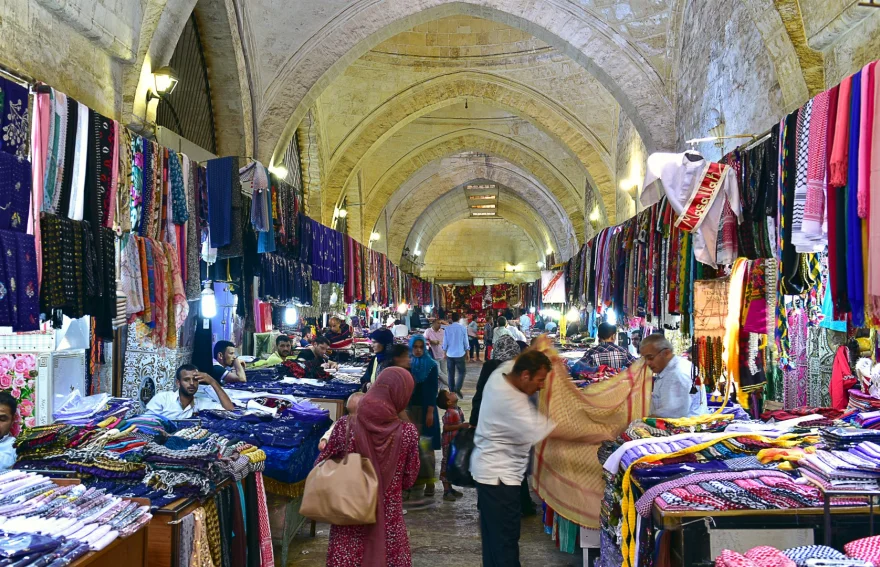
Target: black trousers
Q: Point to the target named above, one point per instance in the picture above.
(500, 515)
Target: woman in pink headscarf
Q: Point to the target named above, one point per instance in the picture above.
(393, 448)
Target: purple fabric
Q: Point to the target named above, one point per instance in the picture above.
(645, 503)
(9, 249)
(15, 192)
(854, 269)
(28, 316)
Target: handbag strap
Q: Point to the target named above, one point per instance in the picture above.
(347, 434)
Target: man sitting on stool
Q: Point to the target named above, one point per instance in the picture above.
(187, 401)
(227, 367)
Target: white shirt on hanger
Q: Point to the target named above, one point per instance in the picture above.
(678, 176)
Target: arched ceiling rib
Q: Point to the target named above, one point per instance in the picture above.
(579, 29)
(472, 139)
(454, 206)
(435, 179)
(439, 92)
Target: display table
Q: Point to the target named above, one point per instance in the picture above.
(128, 552)
(690, 530)
(285, 520)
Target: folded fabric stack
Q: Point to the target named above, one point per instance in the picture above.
(766, 556)
(290, 439)
(869, 420)
(862, 402)
(92, 410)
(78, 519)
(331, 389)
(867, 549)
(856, 469)
(846, 437)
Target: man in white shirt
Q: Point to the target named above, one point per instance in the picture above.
(399, 329)
(434, 336)
(187, 401)
(509, 426)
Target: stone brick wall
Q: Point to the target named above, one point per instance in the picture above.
(724, 68)
(74, 47)
(481, 248)
(631, 156)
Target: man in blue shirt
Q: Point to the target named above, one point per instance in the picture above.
(456, 344)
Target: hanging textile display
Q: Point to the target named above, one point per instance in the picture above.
(553, 286)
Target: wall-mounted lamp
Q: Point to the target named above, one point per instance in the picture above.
(540, 264)
(164, 81)
(342, 213)
(417, 253)
(278, 170)
(374, 236)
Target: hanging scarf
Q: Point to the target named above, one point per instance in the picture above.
(14, 120)
(180, 214)
(839, 152)
(814, 210)
(221, 173)
(874, 207)
(800, 241)
(421, 366)
(854, 274)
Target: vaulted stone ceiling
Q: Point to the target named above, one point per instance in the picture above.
(488, 97)
(395, 104)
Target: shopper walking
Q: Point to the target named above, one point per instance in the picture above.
(455, 343)
(488, 336)
(382, 341)
(434, 336)
(508, 427)
(473, 330)
(422, 405)
(393, 449)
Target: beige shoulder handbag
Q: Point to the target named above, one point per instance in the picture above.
(342, 492)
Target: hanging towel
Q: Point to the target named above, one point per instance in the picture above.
(839, 159)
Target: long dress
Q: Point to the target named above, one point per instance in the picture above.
(346, 547)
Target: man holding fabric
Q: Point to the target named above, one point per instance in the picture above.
(673, 396)
(508, 427)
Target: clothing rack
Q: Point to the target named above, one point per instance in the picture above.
(17, 76)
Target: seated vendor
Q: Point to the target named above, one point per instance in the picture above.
(607, 352)
(673, 383)
(339, 333)
(314, 357)
(283, 348)
(8, 407)
(227, 367)
(187, 400)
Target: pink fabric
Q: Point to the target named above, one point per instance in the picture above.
(267, 557)
(377, 435)
(874, 212)
(43, 114)
(840, 149)
(814, 212)
(867, 549)
(733, 559)
(766, 556)
(865, 142)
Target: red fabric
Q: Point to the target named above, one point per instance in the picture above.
(842, 379)
(766, 556)
(733, 559)
(377, 435)
(867, 549)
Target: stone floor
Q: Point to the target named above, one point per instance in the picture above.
(446, 533)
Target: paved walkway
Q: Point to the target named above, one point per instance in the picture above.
(446, 533)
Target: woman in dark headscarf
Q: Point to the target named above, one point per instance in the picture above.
(505, 348)
(422, 405)
(382, 341)
(393, 448)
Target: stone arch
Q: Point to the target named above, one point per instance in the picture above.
(443, 175)
(482, 141)
(423, 98)
(231, 90)
(454, 206)
(564, 24)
